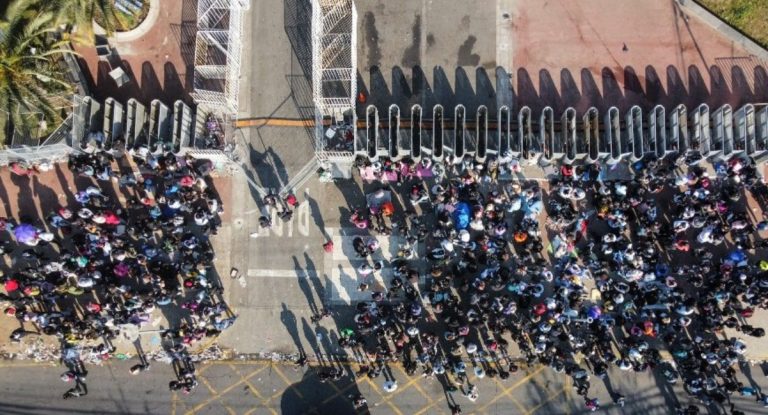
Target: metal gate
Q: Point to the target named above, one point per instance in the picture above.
(613, 135)
(481, 129)
(372, 130)
(416, 132)
(635, 132)
(658, 130)
(508, 140)
(438, 132)
(678, 141)
(182, 125)
(159, 126)
(135, 121)
(86, 111)
(113, 122)
(761, 133)
(744, 136)
(526, 136)
(394, 131)
(702, 134)
(568, 125)
(592, 134)
(547, 133)
(459, 132)
(722, 141)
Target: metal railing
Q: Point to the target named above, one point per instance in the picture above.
(219, 32)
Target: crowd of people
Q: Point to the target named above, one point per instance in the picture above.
(664, 262)
(97, 269)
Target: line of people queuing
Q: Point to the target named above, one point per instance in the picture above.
(670, 254)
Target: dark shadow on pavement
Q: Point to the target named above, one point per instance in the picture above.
(310, 396)
(288, 318)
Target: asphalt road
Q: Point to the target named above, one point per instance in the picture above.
(241, 387)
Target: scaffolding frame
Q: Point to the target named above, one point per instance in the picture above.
(334, 67)
(218, 46)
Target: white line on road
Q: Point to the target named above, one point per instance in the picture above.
(281, 273)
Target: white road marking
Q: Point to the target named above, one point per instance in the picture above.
(281, 273)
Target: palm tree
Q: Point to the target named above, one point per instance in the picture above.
(28, 74)
(77, 16)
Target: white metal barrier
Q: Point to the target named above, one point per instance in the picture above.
(592, 134)
(438, 132)
(372, 130)
(722, 142)
(459, 132)
(658, 130)
(613, 135)
(416, 132)
(568, 125)
(159, 125)
(701, 140)
(135, 121)
(182, 125)
(481, 130)
(744, 136)
(113, 121)
(547, 133)
(85, 113)
(635, 133)
(394, 131)
(678, 141)
(503, 138)
(526, 135)
(760, 148)
(218, 47)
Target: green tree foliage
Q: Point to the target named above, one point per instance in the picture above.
(29, 74)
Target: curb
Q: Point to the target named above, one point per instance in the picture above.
(142, 29)
(694, 8)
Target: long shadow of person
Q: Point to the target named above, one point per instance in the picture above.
(314, 209)
(304, 286)
(312, 338)
(314, 277)
(288, 318)
(25, 198)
